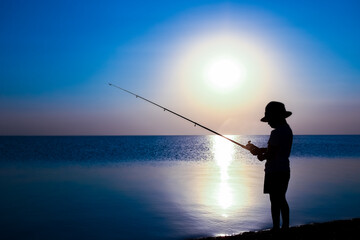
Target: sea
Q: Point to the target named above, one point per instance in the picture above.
(165, 187)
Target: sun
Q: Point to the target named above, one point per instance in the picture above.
(224, 73)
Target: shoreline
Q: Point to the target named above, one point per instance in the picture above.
(334, 230)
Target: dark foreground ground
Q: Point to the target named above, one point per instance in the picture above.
(336, 230)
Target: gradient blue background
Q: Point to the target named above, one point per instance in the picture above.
(57, 57)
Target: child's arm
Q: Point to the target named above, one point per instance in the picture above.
(267, 153)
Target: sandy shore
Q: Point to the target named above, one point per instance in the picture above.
(335, 230)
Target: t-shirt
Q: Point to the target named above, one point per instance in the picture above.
(281, 138)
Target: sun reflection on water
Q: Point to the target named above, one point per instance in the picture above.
(229, 195)
(223, 153)
(219, 191)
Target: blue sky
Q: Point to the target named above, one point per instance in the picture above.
(57, 57)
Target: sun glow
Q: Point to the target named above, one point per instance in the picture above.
(224, 73)
(223, 70)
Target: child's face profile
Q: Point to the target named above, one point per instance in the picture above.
(273, 123)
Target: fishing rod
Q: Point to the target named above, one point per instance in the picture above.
(187, 119)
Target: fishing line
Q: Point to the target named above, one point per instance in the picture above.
(187, 119)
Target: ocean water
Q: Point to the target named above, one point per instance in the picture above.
(165, 187)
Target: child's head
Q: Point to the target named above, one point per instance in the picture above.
(275, 114)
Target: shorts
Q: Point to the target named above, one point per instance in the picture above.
(276, 182)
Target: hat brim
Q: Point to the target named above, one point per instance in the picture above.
(286, 115)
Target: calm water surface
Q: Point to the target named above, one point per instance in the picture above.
(158, 187)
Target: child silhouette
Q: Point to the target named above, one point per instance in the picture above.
(277, 167)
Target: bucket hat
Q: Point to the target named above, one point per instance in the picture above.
(275, 110)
